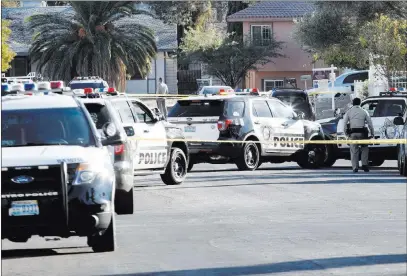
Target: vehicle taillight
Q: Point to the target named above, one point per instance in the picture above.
(118, 150)
(223, 125)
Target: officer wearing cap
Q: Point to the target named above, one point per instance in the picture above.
(358, 118)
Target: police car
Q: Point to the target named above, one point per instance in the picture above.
(401, 148)
(268, 129)
(57, 175)
(383, 109)
(153, 151)
(93, 82)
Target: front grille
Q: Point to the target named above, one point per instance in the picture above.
(46, 179)
(43, 184)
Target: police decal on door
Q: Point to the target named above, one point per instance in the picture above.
(152, 157)
(280, 140)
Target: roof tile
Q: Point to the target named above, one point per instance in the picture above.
(275, 9)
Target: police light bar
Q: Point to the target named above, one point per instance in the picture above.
(5, 88)
(57, 84)
(391, 94)
(44, 85)
(30, 86)
(88, 90)
(17, 87)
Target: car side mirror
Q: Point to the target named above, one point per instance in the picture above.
(300, 115)
(129, 131)
(111, 135)
(158, 114)
(398, 121)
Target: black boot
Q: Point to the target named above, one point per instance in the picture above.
(365, 168)
(355, 170)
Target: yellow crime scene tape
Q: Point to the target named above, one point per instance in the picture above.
(323, 142)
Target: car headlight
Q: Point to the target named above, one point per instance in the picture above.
(87, 172)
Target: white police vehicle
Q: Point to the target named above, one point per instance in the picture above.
(93, 82)
(57, 175)
(383, 109)
(268, 128)
(153, 151)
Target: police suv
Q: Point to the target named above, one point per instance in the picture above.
(150, 135)
(402, 147)
(57, 174)
(93, 82)
(383, 109)
(266, 130)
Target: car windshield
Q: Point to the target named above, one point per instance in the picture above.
(41, 127)
(197, 108)
(291, 98)
(83, 85)
(385, 108)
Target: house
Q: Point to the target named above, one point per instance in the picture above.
(263, 20)
(163, 66)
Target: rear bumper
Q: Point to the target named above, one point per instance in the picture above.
(203, 148)
(386, 153)
(124, 175)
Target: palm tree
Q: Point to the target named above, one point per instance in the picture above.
(94, 41)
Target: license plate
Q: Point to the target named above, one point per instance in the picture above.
(24, 208)
(190, 129)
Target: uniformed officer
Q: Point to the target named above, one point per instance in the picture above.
(358, 118)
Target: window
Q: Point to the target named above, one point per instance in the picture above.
(270, 84)
(261, 109)
(280, 110)
(137, 75)
(83, 85)
(142, 113)
(233, 109)
(20, 66)
(197, 108)
(385, 108)
(261, 35)
(358, 76)
(53, 126)
(99, 113)
(124, 111)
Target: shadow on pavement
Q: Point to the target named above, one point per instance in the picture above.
(302, 265)
(40, 252)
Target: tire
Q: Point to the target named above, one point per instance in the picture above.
(307, 160)
(399, 161)
(190, 166)
(330, 158)
(404, 165)
(177, 167)
(249, 159)
(124, 202)
(107, 241)
(376, 162)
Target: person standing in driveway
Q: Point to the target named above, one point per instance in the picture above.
(358, 118)
(162, 88)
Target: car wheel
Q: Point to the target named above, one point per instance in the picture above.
(177, 167)
(404, 165)
(124, 202)
(330, 157)
(313, 156)
(249, 160)
(107, 241)
(376, 162)
(399, 161)
(190, 166)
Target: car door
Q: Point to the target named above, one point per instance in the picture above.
(153, 146)
(263, 124)
(289, 128)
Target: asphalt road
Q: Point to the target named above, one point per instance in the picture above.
(279, 220)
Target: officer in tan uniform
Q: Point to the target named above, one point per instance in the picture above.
(358, 118)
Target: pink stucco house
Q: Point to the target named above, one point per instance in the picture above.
(263, 20)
